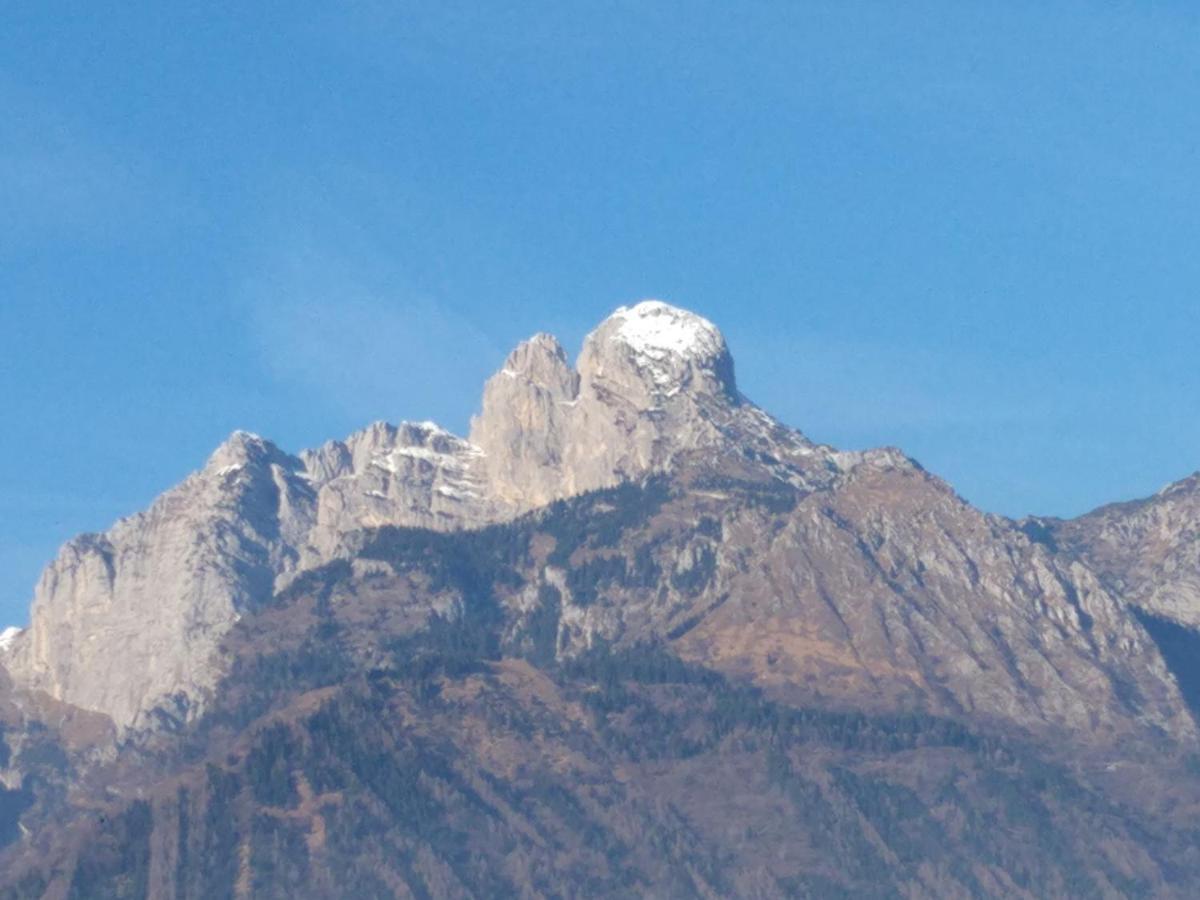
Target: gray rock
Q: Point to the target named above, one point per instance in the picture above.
(878, 586)
(1147, 551)
(126, 619)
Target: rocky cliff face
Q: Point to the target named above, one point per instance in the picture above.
(332, 672)
(414, 474)
(854, 577)
(653, 383)
(528, 408)
(561, 705)
(1148, 551)
(128, 619)
(132, 617)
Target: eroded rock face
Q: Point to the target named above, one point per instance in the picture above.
(133, 617)
(1147, 551)
(654, 382)
(414, 474)
(879, 586)
(523, 430)
(129, 618)
(654, 385)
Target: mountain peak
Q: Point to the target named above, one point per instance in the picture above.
(652, 351)
(240, 438)
(244, 448)
(542, 343)
(655, 329)
(541, 361)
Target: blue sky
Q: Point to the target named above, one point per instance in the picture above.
(967, 229)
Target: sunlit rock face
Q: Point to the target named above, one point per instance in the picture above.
(872, 583)
(413, 474)
(131, 618)
(653, 381)
(523, 428)
(1147, 551)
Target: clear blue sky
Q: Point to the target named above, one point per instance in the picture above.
(967, 229)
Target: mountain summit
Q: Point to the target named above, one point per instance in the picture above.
(413, 663)
(132, 618)
(933, 601)
(669, 349)
(653, 381)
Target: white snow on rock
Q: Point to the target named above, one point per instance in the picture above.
(7, 636)
(654, 329)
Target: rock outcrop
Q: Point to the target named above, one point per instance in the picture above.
(853, 577)
(654, 383)
(523, 429)
(132, 618)
(414, 474)
(1147, 551)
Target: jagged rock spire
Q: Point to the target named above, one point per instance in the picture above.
(651, 380)
(524, 422)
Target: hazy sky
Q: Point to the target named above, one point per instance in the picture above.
(967, 229)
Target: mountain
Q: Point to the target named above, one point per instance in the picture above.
(631, 636)
(1147, 550)
(128, 620)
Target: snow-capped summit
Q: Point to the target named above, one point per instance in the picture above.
(655, 329)
(654, 351)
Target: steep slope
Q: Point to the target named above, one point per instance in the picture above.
(855, 577)
(1147, 551)
(130, 619)
(891, 592)
(431, 719)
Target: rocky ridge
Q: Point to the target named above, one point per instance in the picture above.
(857, 578)
(541, 707)
(409, 663)
(132, 618)
(1148, 551)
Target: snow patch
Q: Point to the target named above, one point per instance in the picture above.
(454, 459)
(456, 493)
(663, 338)
(657, 330)
(392, 462)
(433, 456)
(7, 636)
